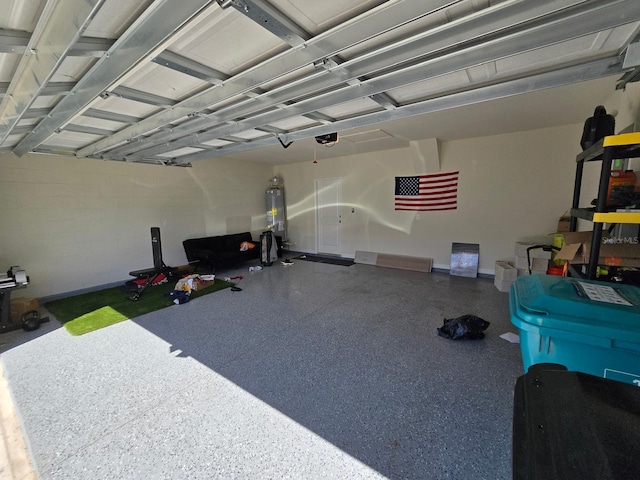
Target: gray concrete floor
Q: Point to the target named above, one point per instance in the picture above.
(311, 371)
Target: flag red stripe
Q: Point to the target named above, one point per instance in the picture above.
(426, 200)
(437, 192)
(436, 175)
(427, 209)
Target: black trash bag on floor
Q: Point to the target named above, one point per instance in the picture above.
(466, 327)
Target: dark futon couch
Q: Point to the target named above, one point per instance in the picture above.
(220, 251)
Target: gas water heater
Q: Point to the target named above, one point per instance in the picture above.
(276, 210)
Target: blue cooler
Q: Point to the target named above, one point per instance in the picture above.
(587, 326)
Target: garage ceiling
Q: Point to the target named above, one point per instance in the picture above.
(171, 82)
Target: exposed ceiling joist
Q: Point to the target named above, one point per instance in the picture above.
(386, 17)
(50, 88)
(139, 96)
(158, 23)
(320, 118)
(16, 42)
(528, 37)
(36, 113)
(270, 18)
(58, 28)
(189, 67)
(88, 130)
(110, 116)
(13, 41)
(599, 69)
(175, 81)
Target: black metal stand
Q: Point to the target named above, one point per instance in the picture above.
(150, 275)
(30, 321)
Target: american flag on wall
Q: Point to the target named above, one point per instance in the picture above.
(438, 191)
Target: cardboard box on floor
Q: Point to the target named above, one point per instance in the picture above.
(505, 275)
(202, 284)
(20, 306)
(577, 246)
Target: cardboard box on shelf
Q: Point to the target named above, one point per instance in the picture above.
(564, 223)
(577, 249)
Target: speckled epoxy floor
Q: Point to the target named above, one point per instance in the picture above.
(312, 371)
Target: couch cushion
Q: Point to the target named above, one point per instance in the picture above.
(220, 249)
(193, 245)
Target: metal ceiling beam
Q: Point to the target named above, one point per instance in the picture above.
(320, 117)
(56, 88)
(21, 129)
(152, 28)
(189, 67)
(55, 151)
(538, 35)
(59, 27)
(16, 42)
(51, 88)
(110, 116)
(36, 113)
(265, 128)
(385, 101)
(200, 122)
(102, 132)
(542, 81)
(511, 17)
(268, 17)
(331, 71)
(388, 16)
(139, 96)
(91, 47)
(13, 41)
(629, 77)
(232, 139)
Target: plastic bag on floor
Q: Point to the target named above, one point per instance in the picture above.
(466, 327)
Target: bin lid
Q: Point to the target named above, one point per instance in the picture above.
(582, 306)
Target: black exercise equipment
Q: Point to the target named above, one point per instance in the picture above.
(15, 279)
(152, 275)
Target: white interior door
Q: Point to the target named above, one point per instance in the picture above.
(329, 208)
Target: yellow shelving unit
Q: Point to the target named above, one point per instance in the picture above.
(626, 145)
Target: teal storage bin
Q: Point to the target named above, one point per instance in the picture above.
(587, 326)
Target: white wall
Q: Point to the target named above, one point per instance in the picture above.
(627, 105)
(77, 223)
(511, 187)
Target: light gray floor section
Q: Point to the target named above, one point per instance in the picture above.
(313, 371)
